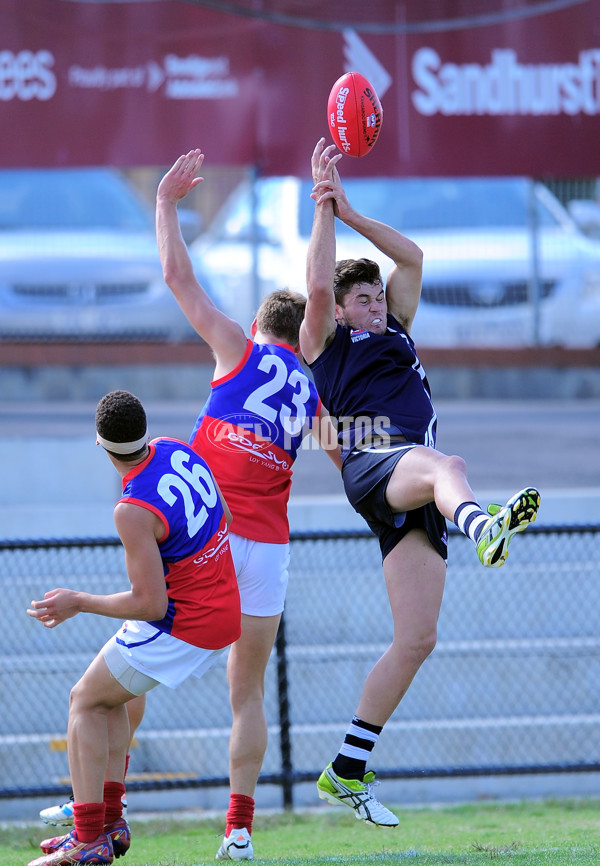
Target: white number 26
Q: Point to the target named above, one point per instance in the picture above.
(186, 480)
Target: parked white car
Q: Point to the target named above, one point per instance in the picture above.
(504, 262)
(79, 259)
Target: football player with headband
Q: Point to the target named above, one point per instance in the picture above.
(181, 612)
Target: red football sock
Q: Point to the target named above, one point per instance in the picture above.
(113, 791)
(89, 820)
(240, 813)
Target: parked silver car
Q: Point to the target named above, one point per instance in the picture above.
(78, 258)
(504, 262)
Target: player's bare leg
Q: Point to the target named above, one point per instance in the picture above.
(425, 475)
(246, 668)
(97, 738)
(62, 814)
(94, 699)
(415, 575)
(136, 708)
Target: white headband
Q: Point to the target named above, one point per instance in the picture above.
(123, 447)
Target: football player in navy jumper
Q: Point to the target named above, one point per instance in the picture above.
(356, 339)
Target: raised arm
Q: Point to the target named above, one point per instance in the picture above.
(318, 326)
(403, 285)
(225, 336)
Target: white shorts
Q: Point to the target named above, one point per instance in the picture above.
(262, 574)
(155, 656)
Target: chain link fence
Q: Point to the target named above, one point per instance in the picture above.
(511, 687)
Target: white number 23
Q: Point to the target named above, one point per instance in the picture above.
(257, 400)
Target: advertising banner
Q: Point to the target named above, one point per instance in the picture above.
(137, 83)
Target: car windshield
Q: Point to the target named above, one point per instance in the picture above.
(426, 204)
(73, 199)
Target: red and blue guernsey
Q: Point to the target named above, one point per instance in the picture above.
(249, 431)
(176, 484)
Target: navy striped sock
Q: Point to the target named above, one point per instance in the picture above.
(470, 519)
(351, 762)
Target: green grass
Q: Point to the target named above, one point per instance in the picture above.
(523, 834)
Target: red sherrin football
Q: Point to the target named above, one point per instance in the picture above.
(354, 114)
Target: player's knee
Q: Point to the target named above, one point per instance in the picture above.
(425, 645)
(77, 697)
(422, 645)
(82, 698)
(245, 691)
(454, 465)
(414, 649)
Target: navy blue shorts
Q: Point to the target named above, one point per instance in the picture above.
(366, 474)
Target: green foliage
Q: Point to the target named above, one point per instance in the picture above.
(552, 833)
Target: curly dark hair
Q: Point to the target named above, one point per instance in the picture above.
(281, 314)
(351, 272)
(120, 417)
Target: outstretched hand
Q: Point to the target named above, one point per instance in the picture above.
(56, 606)
(322, 161)
(182, 176)
(328, 184)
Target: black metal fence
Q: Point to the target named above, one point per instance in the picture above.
(512, 686)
